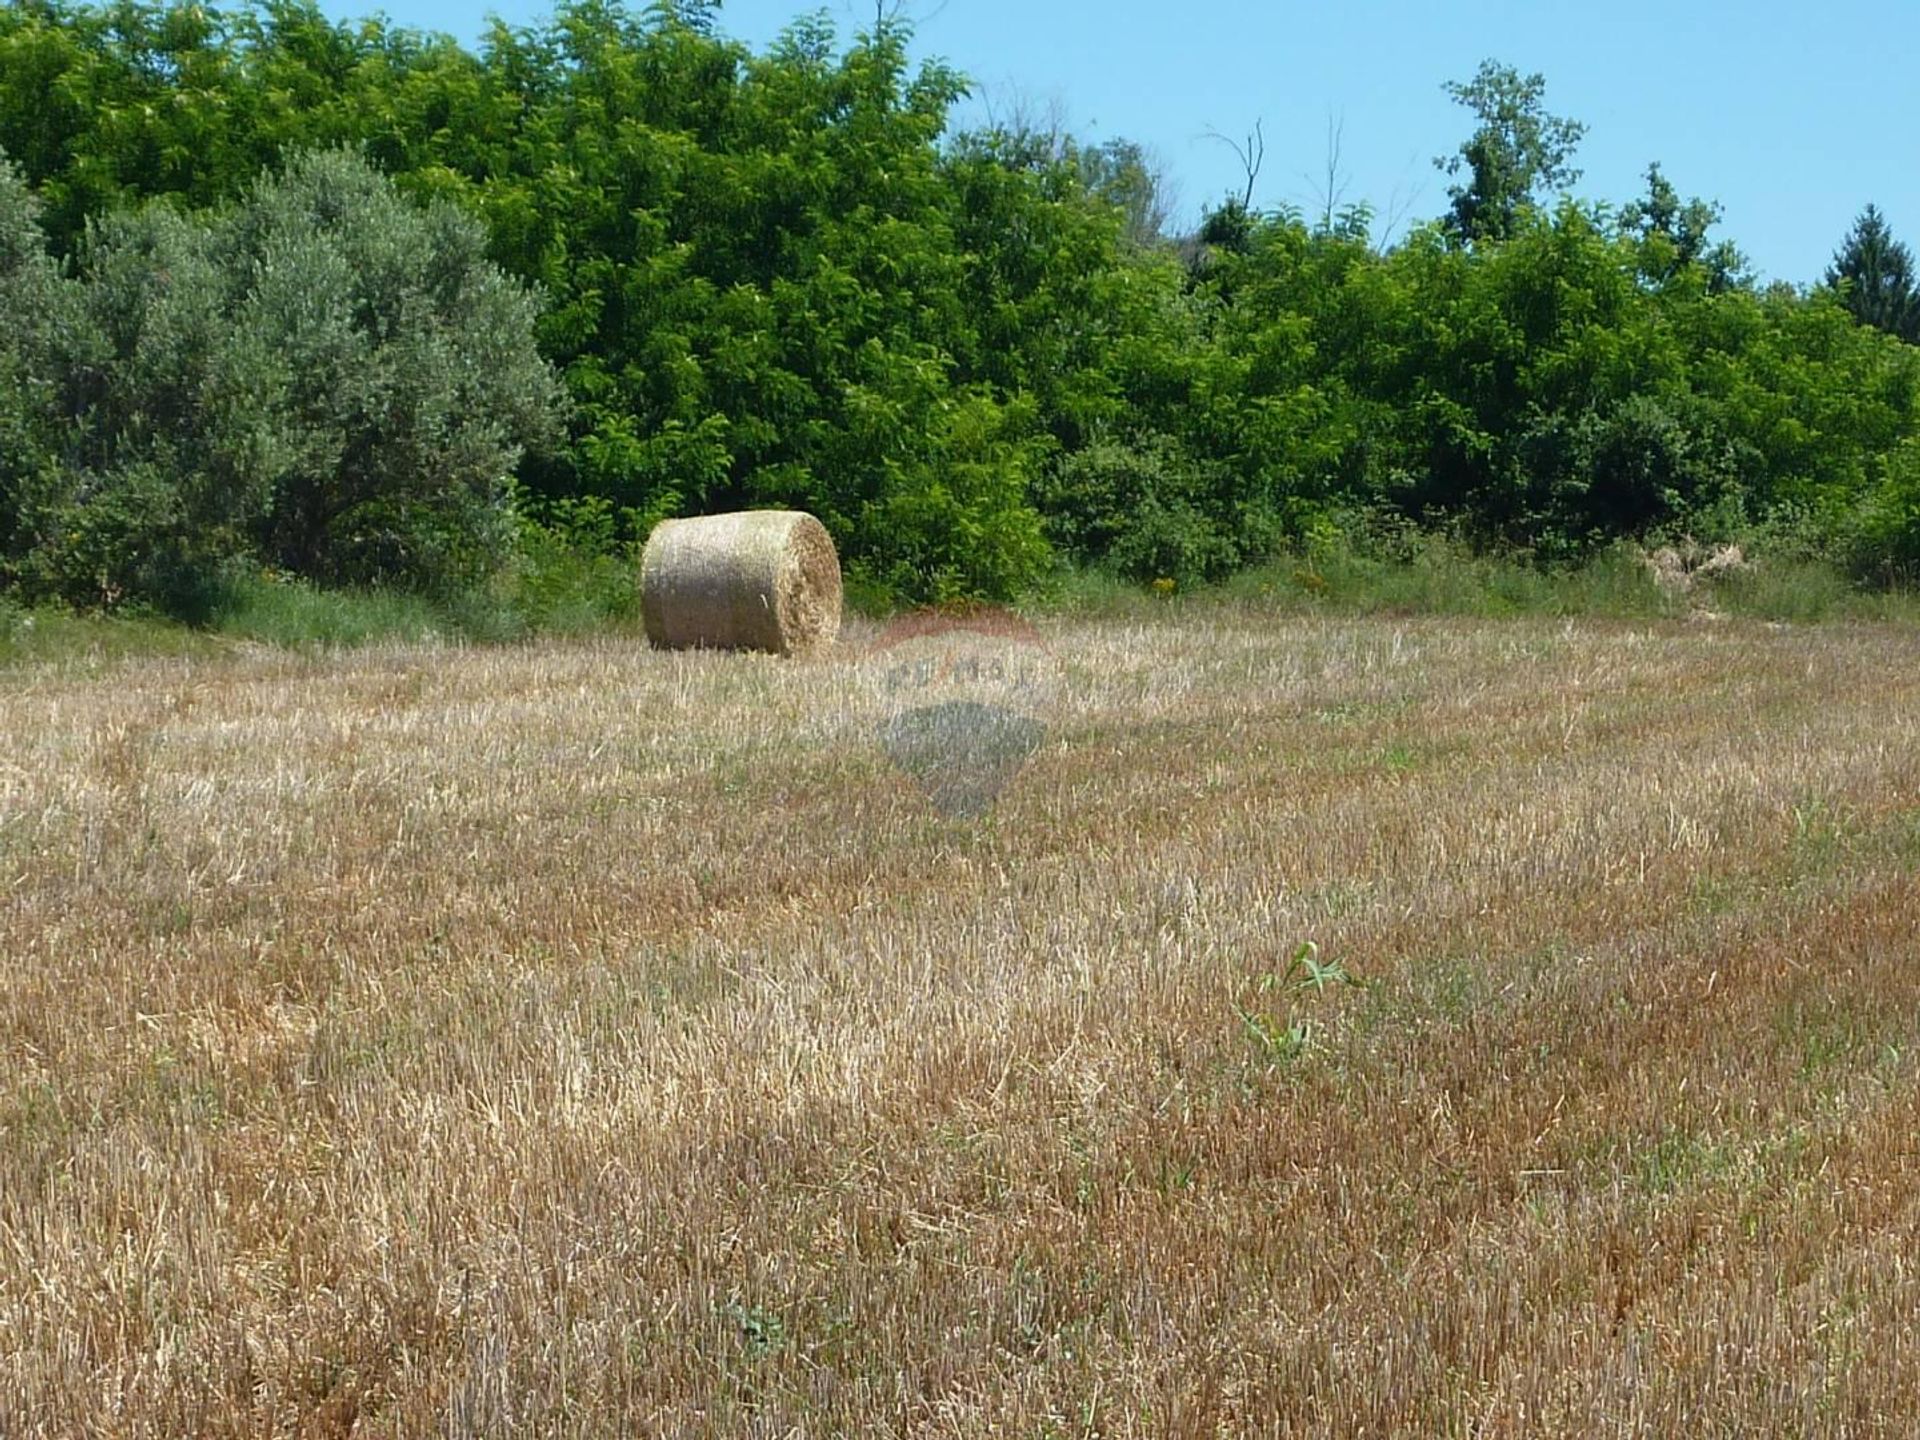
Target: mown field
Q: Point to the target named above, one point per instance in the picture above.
(579, 1040)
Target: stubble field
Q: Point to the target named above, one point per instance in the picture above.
(1341, 1027)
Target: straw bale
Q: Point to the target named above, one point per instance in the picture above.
(758, 580)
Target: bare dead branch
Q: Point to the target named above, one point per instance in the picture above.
(1252, 155)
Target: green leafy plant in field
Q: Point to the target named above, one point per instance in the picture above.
(761, 1331)
(1281, 1038)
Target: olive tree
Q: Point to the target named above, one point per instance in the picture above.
(327, 379)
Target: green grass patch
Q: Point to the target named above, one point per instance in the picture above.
(550, 590)
(1435, 577)
(1439, 576)
(50, 635)
(1796, 590)
(554, 588)
(1091, 592)
(1442, 577)
(298, 616)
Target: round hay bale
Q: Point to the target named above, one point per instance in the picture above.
(759, 580)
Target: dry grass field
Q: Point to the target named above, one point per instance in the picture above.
(580, 1040)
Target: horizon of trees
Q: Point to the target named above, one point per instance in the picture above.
(786, 278)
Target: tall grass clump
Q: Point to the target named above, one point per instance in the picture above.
(295, 614)
(1438, 575)
(1803, 590)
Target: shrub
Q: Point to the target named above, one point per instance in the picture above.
(32, 298)
(327, 379)
(1142, 507)
(1882, 537)
(1597, 475)
(409, 379)
(168, 435)
(571, 572)
(957, 524)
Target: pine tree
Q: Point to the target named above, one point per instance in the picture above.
(1878, 275)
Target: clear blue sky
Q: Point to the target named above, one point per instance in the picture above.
(1791, 115)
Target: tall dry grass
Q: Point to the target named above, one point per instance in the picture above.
(579, 1040)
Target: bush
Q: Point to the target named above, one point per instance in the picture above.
(33, 299)
(1623, 470)
(958, 524)
(409, 382)
(571, 573)
(327, 379)
(1139, 507)
(1882, 540)
(168, 430)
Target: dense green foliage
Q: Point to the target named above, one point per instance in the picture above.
(783, 279)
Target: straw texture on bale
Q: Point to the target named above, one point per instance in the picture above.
(759, 580)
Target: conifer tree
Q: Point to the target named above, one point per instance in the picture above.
(1874, 273)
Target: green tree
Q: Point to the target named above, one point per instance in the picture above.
(38, 304)
(760, 296)
(1517, 151)
(327, 378)
(106, 105)
(1674, 235)
(779, 278)
(1873, 272)
(1123, 174)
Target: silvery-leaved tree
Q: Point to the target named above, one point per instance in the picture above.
(408, 381)
(327, 379)
(31, 297)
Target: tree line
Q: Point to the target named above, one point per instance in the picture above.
(362, 305)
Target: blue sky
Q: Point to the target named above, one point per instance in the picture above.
(1791, 115)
